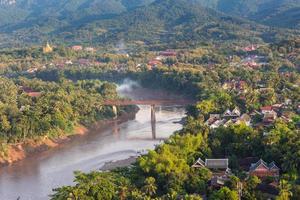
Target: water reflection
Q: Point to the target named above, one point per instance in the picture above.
(35, 177)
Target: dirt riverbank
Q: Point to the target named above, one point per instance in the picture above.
(20, 151)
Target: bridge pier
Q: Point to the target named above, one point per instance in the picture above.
(153, 121)
(153, 117)
(115, 111)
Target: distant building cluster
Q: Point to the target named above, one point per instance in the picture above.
(221, 172)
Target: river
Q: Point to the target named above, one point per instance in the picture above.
(34, 177)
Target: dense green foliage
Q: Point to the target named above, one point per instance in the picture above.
(166, 172)
(177, 23)
(54, 111)
(284, 13)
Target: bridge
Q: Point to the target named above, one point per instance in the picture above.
(162, 102)
(152, 103)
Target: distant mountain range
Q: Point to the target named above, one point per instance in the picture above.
(281, 13)
(105, 21)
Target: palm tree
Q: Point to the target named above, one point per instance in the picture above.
(285, 191)
(150, 187)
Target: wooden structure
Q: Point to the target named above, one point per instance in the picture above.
(261, 169)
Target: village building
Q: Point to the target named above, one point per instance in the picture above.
(218, 123)
(218, 167)
(32, 70)
(168, 53)
(89, 49)
(83, 62)
(266, 109)
(232, 114)
(154, 63)
(262, 170)
(47, 48)
(239, 86)
(213, 164)
(212, 118)
(288, 102)
(245, 118)
(250, 48)
(228, 118)
(30, 92)
(69, 62)
(269, 118)
(277, 107)
(77, 48)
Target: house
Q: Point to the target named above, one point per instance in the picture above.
(212, 118)
(229, 85)
(277, 106)
(219, 169)
(212, 163)
(69, 62)
(154, 63)
(250, 48)
(262, 170)
(168, 53)
(76, 48)
(269, 117)
(217, 123)
(266, 109)
(34, 94)
(30, 92)
(245, 118)
(218, 182)
(217, 163)
(239, 86)
(236, 112)
(89, 49)
(232, 114)
(288, 102)
(255, 113)
(83, 61)
(227, 113)
(32, 70)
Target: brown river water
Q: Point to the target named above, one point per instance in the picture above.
(35, 177)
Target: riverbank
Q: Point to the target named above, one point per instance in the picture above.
(108, 166)
(17, 152)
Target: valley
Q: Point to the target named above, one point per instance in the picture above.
(149, 99)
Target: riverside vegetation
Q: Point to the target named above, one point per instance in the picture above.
(202, 73)
(224, 62)
(166, 172)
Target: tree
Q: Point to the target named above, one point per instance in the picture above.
(149, 188)
(224, 194)
(285, 191)
(95, 185)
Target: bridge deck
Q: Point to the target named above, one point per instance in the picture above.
(148, 102)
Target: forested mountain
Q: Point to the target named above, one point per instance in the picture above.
(174, 21)
(281, 13)
(107, 21)
(24, 13)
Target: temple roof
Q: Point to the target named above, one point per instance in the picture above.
(216, 163)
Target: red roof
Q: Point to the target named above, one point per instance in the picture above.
(266, 108)
(154, 62)
(168, 53)
(34, 94)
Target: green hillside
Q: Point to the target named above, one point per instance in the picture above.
(170, 22)
(278, 13)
